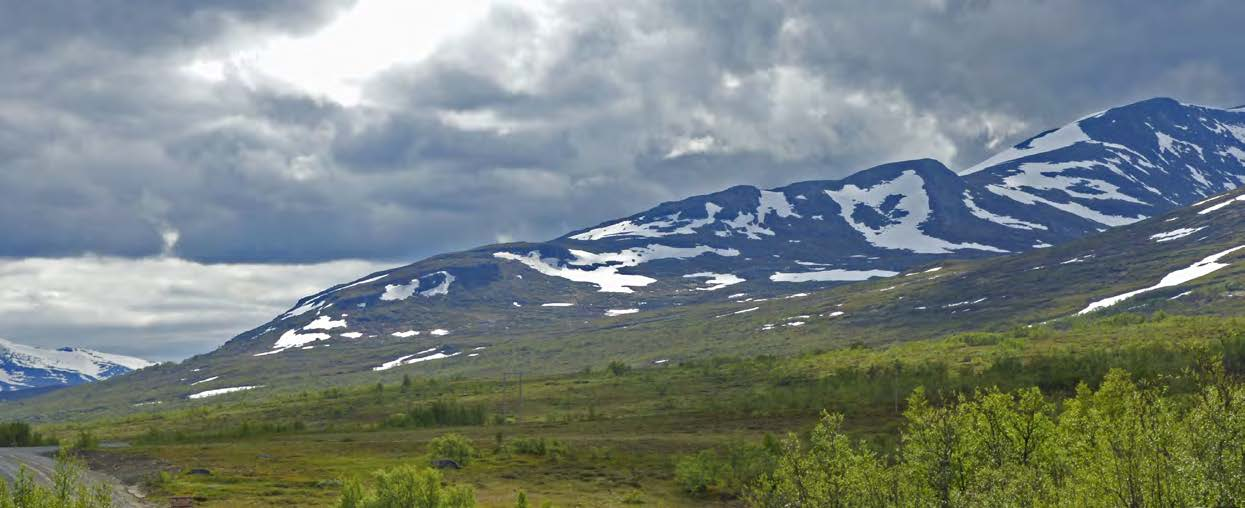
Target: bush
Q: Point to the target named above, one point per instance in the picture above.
(438, 414)
(86, 440)
(455, 447)
(726, 474)
(15, 434)
(699, 473)
(406, 487)
(977, 338)
(618, 368)
(537, 446)
(1123, 444)
(20, 434)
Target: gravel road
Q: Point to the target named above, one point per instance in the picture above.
(38, 460)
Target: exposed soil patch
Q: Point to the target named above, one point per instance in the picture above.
(129, 467)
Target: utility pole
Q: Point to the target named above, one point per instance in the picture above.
(518, 372)
(897, 366)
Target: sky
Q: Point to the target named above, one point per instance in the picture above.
(175, 173)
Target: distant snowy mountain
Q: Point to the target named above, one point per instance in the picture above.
(25, 367)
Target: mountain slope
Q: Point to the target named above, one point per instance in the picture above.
(1189, 261)
(1122, 165)
(27, 367)
(1101, 171)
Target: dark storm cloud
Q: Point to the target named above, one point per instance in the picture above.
(153, 25)
(528, 126)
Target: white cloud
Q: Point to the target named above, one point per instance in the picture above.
(162, 308)
(335, 61)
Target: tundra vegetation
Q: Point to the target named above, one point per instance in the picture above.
(1120, 410)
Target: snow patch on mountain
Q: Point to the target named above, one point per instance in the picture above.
(1065, 136)
(904, 206)
(716, 280)
(1004, 220)
(776, 203)
(1206, 266)
(835, 275)
(664, 226)
(324, 322)
(306, 307)
(422, 356)
(1218, 206)
(221, 391)
(292, 338)
(1168, 236)
(1168, 144)
(1074, 208)
(602, 269)
(1235, 153)
(403, 291)
(1048, 141)
(1052, 176)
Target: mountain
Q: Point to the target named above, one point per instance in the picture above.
(1122, 165)
(27, 367)
(1188, 261)
(1101, 171)
(1022, 238)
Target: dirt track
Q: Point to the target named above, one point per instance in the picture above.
(41, 466)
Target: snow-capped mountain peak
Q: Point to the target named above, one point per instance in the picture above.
(1124, 164)
(23, 366)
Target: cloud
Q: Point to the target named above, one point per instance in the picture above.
(155, 308)
(531, 119)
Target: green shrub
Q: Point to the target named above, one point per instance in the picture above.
(21, 434)
(439, 413)
(536, 446)
(1124, 444)
(977, 338)
(455, 447)
(70, 489)
(726, 474)
(85, 440)
(618, 368)
(699, 473)
(406, 487)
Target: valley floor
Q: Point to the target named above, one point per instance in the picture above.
(619, 436)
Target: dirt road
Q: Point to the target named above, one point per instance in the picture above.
(38, 460)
